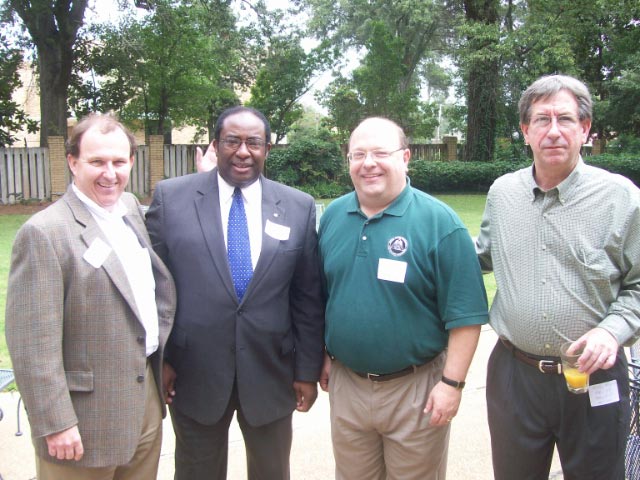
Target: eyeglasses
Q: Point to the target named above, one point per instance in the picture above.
(233, 143)
(377, 155)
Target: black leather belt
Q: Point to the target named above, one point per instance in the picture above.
(383, 377)
(543, 365)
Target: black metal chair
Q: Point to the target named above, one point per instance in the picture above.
(6, 379)
(632, 458)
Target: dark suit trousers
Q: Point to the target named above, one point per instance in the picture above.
(530, 412)
(201, 450)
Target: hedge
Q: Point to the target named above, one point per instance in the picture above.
(478, 176)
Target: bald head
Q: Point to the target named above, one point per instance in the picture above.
(381, 124)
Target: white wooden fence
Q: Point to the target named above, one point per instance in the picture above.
(24, 174)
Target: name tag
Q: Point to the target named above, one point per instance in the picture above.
(604, 393)
(279, 232)
(392, 270)
(97, 253)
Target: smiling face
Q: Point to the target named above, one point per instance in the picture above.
(103, 164)
(378, 182)
(241, 165)
(556, 134)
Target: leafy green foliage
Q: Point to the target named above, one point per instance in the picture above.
(458, 176)
(311, 163)
(12, 118)
(284, 77)
(179, 64)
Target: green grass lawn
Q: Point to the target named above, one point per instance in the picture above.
(468, 207)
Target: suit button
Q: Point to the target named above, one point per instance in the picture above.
(240, 311)
(140, 379)
(140, 339)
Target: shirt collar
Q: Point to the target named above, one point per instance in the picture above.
(564, 188)
(252, 193)
(396, 208)
(119, 210)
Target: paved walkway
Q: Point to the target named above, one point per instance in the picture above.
(311, 456)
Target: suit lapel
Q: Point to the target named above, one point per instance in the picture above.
(207, 204)
(91, 232)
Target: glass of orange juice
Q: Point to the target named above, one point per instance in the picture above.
(577, 381)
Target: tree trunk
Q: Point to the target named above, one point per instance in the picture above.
(482, 84)
(55, 74)
(53, 26)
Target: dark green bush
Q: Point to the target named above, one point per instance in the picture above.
(478, 176)
(627, 165)
(458, 176)
(307, 161)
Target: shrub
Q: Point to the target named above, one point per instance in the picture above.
(478, 176)
(307, 162)
(458, 176)
(627, 165)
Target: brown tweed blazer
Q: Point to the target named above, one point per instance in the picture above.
(74, 336)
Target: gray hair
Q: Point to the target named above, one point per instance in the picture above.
(548, 86)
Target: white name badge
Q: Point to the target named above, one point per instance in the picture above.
(279, 232)
(604, 393)
(97, 253)
(392, 270)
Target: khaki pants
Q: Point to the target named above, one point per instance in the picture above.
(143, 465)
(379, 430)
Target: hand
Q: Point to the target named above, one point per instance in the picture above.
(306, 394)
(208, 161)
(324, 374)
(600, 350)
(443, 403)
(66, 445)
(168, 382)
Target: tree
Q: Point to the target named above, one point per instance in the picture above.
(482, 78)
(12, 118)
(284, 77)
(400, 40)
(53, 26)
(379, 87)
(181, 64)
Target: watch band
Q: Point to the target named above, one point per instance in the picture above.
(453, 383)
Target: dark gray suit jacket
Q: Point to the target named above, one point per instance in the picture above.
(274, 336)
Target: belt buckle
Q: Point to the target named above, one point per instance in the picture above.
(549, 363)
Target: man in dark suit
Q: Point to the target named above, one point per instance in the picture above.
(89, 310)
(251, 345)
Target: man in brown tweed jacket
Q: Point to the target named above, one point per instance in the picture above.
(89, 309)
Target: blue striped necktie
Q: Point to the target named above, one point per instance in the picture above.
(238, 247)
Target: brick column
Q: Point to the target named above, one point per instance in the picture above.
(598, 146)
(156, 160)
(60, 174)
(452, 147)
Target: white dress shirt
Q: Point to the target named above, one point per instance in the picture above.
(252, 200)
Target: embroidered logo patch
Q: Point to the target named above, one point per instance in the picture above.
(397, 246)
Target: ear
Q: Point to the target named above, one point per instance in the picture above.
(267, 148)
(525, 132)
(586, 127)
(406, 156)
(72, 162)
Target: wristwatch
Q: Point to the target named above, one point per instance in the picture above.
(453, 383)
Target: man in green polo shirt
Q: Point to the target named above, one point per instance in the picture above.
(405, 301)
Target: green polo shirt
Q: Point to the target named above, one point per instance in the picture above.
(397, 282)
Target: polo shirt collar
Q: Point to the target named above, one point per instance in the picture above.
(396, 208)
